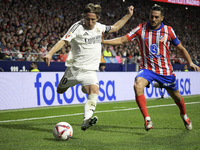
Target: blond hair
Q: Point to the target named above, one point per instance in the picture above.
(91, 8)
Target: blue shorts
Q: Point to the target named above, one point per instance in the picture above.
(167, 82)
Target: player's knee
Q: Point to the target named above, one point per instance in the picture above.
(96, 92)
(138, 87)
(90, 90)
(177, 98)
(175, 95)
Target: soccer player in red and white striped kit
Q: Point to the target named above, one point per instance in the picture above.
(154, 39)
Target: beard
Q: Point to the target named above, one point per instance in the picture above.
(155, 25)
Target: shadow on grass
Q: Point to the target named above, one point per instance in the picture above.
(101, 128)
(127, 130)
(53, 139)
(28, 126)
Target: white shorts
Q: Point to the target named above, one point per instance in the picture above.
(75, 76)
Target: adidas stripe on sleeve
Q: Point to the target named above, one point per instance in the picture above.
(71, 32)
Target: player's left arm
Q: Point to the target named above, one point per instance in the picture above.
(119, 24)
(115, 41)
(187, 57)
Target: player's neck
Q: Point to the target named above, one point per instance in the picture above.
(88, 28)
(155, 28)
(159, 26)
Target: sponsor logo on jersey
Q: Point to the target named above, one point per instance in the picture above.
(93, 40)
(154, 49)
(154, 52)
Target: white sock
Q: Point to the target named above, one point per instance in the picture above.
(184, 117)
(90, 106)
(147, 118)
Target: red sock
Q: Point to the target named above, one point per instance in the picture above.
(141, 101)
(181, 106)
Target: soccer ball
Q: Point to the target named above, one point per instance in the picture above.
(62, 131)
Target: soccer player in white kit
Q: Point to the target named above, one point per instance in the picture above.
(84, 58)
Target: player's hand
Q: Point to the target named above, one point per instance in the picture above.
(194, 67)
(130, 10)
(47, 58)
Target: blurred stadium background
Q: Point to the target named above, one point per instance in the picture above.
(29, 28)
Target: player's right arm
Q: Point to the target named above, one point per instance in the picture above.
(116, 41)
(71, 33)
(54, 49)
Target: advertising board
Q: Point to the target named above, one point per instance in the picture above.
(38, 89)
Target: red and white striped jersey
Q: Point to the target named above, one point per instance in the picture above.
(154, 46)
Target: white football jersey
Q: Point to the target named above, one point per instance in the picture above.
(85, 50)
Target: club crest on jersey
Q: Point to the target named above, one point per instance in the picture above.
(98, 31)
(162, 38)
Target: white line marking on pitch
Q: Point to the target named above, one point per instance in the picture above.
(95, 112)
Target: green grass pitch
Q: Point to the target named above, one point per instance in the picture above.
(120, 127)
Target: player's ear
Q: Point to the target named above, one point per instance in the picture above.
(162, 18)
(98, 17)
